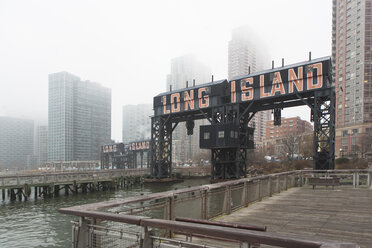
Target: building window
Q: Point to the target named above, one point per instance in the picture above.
(344, 133)
(221, 134)
(207, 135)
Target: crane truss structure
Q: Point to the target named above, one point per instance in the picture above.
(229, 106)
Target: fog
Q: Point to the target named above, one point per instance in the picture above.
(127, 45)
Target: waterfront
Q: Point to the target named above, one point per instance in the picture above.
(37, 223)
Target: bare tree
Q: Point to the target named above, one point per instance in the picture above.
(307, 145)
(291, 145)
(365, 144)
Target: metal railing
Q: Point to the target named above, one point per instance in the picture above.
(158, 210)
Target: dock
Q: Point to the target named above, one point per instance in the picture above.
(342, 214)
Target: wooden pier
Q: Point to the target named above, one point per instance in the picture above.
(47, 184)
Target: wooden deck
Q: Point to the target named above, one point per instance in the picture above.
(342, 214)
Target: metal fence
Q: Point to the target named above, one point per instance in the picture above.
(127, 222)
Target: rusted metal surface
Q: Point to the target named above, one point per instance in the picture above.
(225, 224)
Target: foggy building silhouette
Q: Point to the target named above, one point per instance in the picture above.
(246, 53)
(42, 144)
(79, 118)
(137, 122)
(16, 142)
(186, 69)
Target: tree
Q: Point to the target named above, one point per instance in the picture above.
(290, 145)
(307, 145)
(365, 144)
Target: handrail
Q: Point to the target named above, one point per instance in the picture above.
(171, 193)
(225, 224)
(248, 236)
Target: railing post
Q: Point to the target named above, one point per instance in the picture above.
(227, 201)
(357, 179)
(146, 240)
(170, 212)
(278, 184)
(286, 181)
(245, 200)
(369, 175)
(82, 234)
(204, 202)
(259, 197)
(269, 187)
(354, 179)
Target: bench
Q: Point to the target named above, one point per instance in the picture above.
(324, 181)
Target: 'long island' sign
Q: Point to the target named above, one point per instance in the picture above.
(289, 80)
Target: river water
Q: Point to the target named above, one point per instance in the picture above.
(37, 223)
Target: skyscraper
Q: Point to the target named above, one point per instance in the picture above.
(247, 55)
(137, 122)
(42, 144)
(79, 119)
(16, 142)
(186, 69)
(352, 72)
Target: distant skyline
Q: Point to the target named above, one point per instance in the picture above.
(128, 46)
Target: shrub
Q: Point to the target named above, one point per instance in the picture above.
(342, 160)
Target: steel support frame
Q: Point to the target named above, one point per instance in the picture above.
(161, 147)
(324, 130)
(230, 163)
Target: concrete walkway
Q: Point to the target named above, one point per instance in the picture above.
(342, 214)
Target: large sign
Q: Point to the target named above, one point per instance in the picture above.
(298, 78)
(139, 146)
(113, 148)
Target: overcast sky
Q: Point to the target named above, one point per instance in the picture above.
(127, 45)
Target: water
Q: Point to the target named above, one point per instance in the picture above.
(37, 223)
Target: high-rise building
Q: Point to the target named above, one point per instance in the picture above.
(137, 122)
(352, 68)
(186, 70)
(247, 55)
(16, 142)
(42, 144)
(79, 118)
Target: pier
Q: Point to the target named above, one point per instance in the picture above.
(47, 184)
(292, 212)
